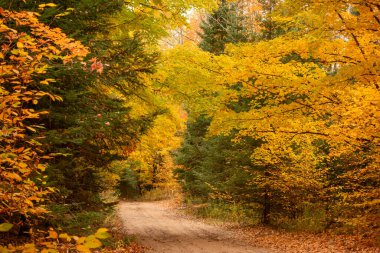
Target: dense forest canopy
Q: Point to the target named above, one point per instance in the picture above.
(283, 118)
(268, 105)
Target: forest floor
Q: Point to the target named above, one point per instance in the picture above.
(163, 228)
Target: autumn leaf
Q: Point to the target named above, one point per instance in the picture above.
(83, 249)
(53, 234)
(5, 227)
(102, 233)
(91, 242)
(65, 236)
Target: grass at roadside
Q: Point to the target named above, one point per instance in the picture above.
(224, 212)
(77, 219)
(312, 219)
(301, 235)
(159, 194)
(81, 221)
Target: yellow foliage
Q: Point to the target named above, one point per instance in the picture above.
(153, 155)
(54, 243)
(316, 85)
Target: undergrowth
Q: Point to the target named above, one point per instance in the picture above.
(225, 212)
(161, 194)
(83, 222)
(312, 219)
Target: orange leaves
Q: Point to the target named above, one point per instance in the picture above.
(53, 234)
(82, 248)
(303, 242)
(11, 176)
(42, 40)
(24, 58)
(96, 65)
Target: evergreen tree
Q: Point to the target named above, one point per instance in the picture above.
(92, 126)
(270, 28)
(216, 165)
(223, 26)
(99, 127)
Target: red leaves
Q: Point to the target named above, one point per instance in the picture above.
(96, 65)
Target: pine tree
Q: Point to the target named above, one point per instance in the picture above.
(223, 26)
(216, 165)
(92, 126)
(218, 161)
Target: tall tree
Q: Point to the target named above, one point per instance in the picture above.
(314, 104)
(93, 126)
(216, 166)
(223, 26)
(29, 49)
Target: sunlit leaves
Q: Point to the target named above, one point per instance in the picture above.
(43, 6)
(152, 157)
(314, 100)
(102, 233)
(5, 227)
(26, 57)
(55, 242)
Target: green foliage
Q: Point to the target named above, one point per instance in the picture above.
(225, 25)
(218, 167)
(270, 28)
(227, 212)
(161, 193)
(129, 185)
(75, 219)
(92, 126)
(312, 219)
(214, 167)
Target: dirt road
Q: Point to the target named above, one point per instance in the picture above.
(164, 231)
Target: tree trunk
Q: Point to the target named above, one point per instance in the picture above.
(266, 209)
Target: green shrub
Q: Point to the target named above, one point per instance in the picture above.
(160, 194)
(73, 220)
(227, 212)
(313, 219)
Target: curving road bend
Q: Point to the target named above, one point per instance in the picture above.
(162, 230)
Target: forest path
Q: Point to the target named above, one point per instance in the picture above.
(161, 229)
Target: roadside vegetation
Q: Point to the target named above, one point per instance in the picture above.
(256, 112)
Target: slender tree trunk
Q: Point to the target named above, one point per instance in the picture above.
(266, 208)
